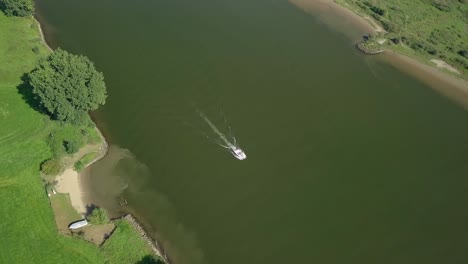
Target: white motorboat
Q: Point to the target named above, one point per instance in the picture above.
(238, 153)
(78, 224)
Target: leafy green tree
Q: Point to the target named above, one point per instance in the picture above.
(98, 216)
(68, 86)
(149, 259)
(21, 8)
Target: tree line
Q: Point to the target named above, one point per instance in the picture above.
(21, 8)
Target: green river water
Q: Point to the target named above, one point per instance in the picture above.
(349, 160)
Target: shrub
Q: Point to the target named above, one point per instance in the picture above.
(71, 146)
(98, 217)
(86, 159)
(51, 166)
(21, 8)
(36, 50)
(463, 53)
(379, 11)
(79, 166)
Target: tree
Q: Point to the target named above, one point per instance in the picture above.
(149, 259)
(68, 86)
(98, 217)
(19, 8)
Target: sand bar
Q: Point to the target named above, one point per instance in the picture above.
(435, 76)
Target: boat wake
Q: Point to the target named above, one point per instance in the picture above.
(233, 147)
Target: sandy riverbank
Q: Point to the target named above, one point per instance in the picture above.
(343, 19)
(448, 85)
(69, 182)
(338, 18)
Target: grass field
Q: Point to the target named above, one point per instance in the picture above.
(126, 241)
(425, 29)
(64, 211)
(28, 230)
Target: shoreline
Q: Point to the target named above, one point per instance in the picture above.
(41, 33)
(350, 24)
(439, 80)
(69, 181)
(72, 184)
(452, 87)
(153, 243)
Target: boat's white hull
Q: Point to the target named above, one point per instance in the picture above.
(78, 224)
(238, 153)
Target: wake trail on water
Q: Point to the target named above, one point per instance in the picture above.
(225, 142)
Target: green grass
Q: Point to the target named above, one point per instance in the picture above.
(29, 234)
(92, 134)
(27, 226)
(86, 159)
(425, 29)
(65, 214)
(125, 245)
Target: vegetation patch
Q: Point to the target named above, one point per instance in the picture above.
(52, 166)
(426, 29)
(126, 246)
(31, 141)
(63, 211)
(84, 161)
(21, 8)
(29, 234)
(98, 217)
(68, 86)
(370, 46)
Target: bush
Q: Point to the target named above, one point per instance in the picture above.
(463, 53)
(85, 160)
(65, 138)
(390, 26)
(379, 11)
(79, 166)
(21, 8)
(51, 167)
(36, 50)
(72, 146)
(98, 217)
(68, 86)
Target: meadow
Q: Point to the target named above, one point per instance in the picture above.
(29, 233)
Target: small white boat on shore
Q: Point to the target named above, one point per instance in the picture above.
(238, 153)
(78, 224)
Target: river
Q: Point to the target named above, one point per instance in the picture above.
(349, 160)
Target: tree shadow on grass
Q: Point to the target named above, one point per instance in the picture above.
(148, 259)
(26, 91)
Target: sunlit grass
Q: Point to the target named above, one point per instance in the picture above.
(28, 230)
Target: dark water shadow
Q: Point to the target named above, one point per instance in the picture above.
(26, 91)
